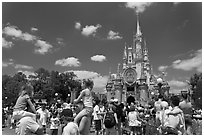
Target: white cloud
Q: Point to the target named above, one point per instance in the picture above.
(189, 64)
(138, 6)
(6, 64)
(99, 58)
(177, 86)
(33, 29)
(90, 30)
(162, 68)
(70, 61)
(43, 47)
(177, 61)
(13, 31)
(99, 81)
(27, 73)
(19, 66)
(113, 35)
(28, 37)
(6, 44)
(77, 25)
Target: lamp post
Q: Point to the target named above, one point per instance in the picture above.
(159, 83)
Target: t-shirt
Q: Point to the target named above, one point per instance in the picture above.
(26, 126)
(71, 129)
(132, 116)
(95, 111)
(21, 102)
(175, 120)
(54, 123)
(186, 107)
(157, 105)
(87, 98)
(43, 116)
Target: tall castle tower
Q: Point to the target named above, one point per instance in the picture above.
(136, 56)
(136, 71)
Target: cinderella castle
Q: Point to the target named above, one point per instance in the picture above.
(135, 82)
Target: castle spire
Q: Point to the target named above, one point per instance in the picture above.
(138, 33)
(125, 53)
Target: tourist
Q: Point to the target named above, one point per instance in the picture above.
(133, 121)
(157, 107)
(110, 120)
(28, 126)
(22, 102)
(119, 112)
(69, 127)
(97, 117)
(85, 122)
(86, 96)
(54, 124)
(44, 115)
(175, 124)
(186, 107)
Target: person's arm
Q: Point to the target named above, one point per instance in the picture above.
(82, 124)
(31, 105)
(116, 119)
(79, 97)
(174, 112)
(39, 131)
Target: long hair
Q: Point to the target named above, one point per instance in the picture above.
(26, 89)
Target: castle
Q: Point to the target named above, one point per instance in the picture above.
(136, 80)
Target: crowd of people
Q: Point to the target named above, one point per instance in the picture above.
(160, 116)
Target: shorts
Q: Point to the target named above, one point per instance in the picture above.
(97, 124)
(188, 120)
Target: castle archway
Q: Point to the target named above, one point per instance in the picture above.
(130, 99)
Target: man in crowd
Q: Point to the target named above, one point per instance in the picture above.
(85, 122)
(157, 107)
(44, 115)
(186, 106)
(175, 123)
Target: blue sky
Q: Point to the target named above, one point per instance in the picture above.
(89, 38)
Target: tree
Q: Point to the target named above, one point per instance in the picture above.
(11, 87)
(196, 83)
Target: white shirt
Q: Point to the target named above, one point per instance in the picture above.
(87, 98)
(132, 116)
(54, 123)
(95, 111)
(43, 116)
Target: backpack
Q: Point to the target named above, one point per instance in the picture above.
(109, 121)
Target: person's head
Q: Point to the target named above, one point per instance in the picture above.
(175, 100)
(164, 105)
(184, 96)
(27, 89)
(160, 97)
(132, 108)
(88, 84)
(97, 101)
(43, 106)
(79, 106)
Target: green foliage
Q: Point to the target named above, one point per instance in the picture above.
(45, 84)
(196, 83)
(11, 87)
